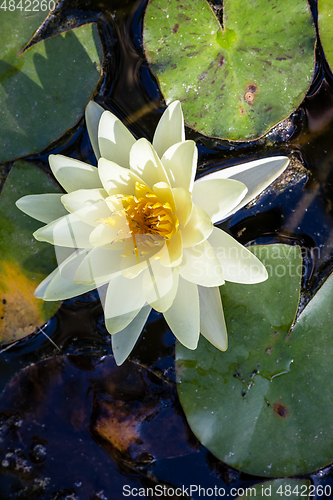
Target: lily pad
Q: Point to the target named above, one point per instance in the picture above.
(238, 81)
(43, 90)
(279, 488)
(264, 406)
(325, 26)
(24, 262)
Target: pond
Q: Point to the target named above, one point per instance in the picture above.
(73, 424)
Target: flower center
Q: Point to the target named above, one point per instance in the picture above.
(147, 214)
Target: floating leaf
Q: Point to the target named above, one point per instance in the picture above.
(265, 405)
(239, 81)
(325, 26)
(24, 262)
(279, 488)
(43, 90)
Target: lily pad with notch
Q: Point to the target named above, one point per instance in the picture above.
(44, 89)
(264, 406)
(235, 81)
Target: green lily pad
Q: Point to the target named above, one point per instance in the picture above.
(264, 406)
(280, 488)
(24, 262)
(43, 90)
(239, 81)
(325, 26)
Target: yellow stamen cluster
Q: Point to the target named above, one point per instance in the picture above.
(147, 214)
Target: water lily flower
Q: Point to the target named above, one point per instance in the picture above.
(140, 225)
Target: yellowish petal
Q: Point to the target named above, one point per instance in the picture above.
(74, 174)
(184, 205)
(164, 192)
(93, 115)
(42, 207)
(88, 205)
(114, 139)
(256, 175)
(201, 266)
(99, 266)
(124, 341)
(116, 179)
(174, 251)
(183, 316)
(198, 228)
(212, 323)
(238, 263)
(76, 200)
(170, 129)
(68, 231)
(218, 197)
(60, 285)
(146, 164)
(160, 286)
(124, 299)
(103, 235)
(180, 163)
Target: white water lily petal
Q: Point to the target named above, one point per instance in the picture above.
(180, 163)
(131, 264)
(97, 267)
(124, 299)
(76, 200)
(212, 322)
(218, 197)
(130, 267)
(117, 179)
(42, 207)
(114, 139)
(88, 205)
(59, 284)
(68, 231)
(183, 316)
(201, 266)
(256, 175)
(93, 115)
(104, 235)
(40, 290)
(61, 289)
(184, 205)
(160, 286)
(198, 228)
(238, 263)
(62, 253)
(146, 164)
(74, 174)
(174, 253)
(124, 341)
(170, 129)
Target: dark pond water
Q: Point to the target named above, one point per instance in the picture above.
(72, 425)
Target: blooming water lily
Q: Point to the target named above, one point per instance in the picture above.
(140, 224)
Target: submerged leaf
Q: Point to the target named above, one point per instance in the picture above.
(237, 81)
